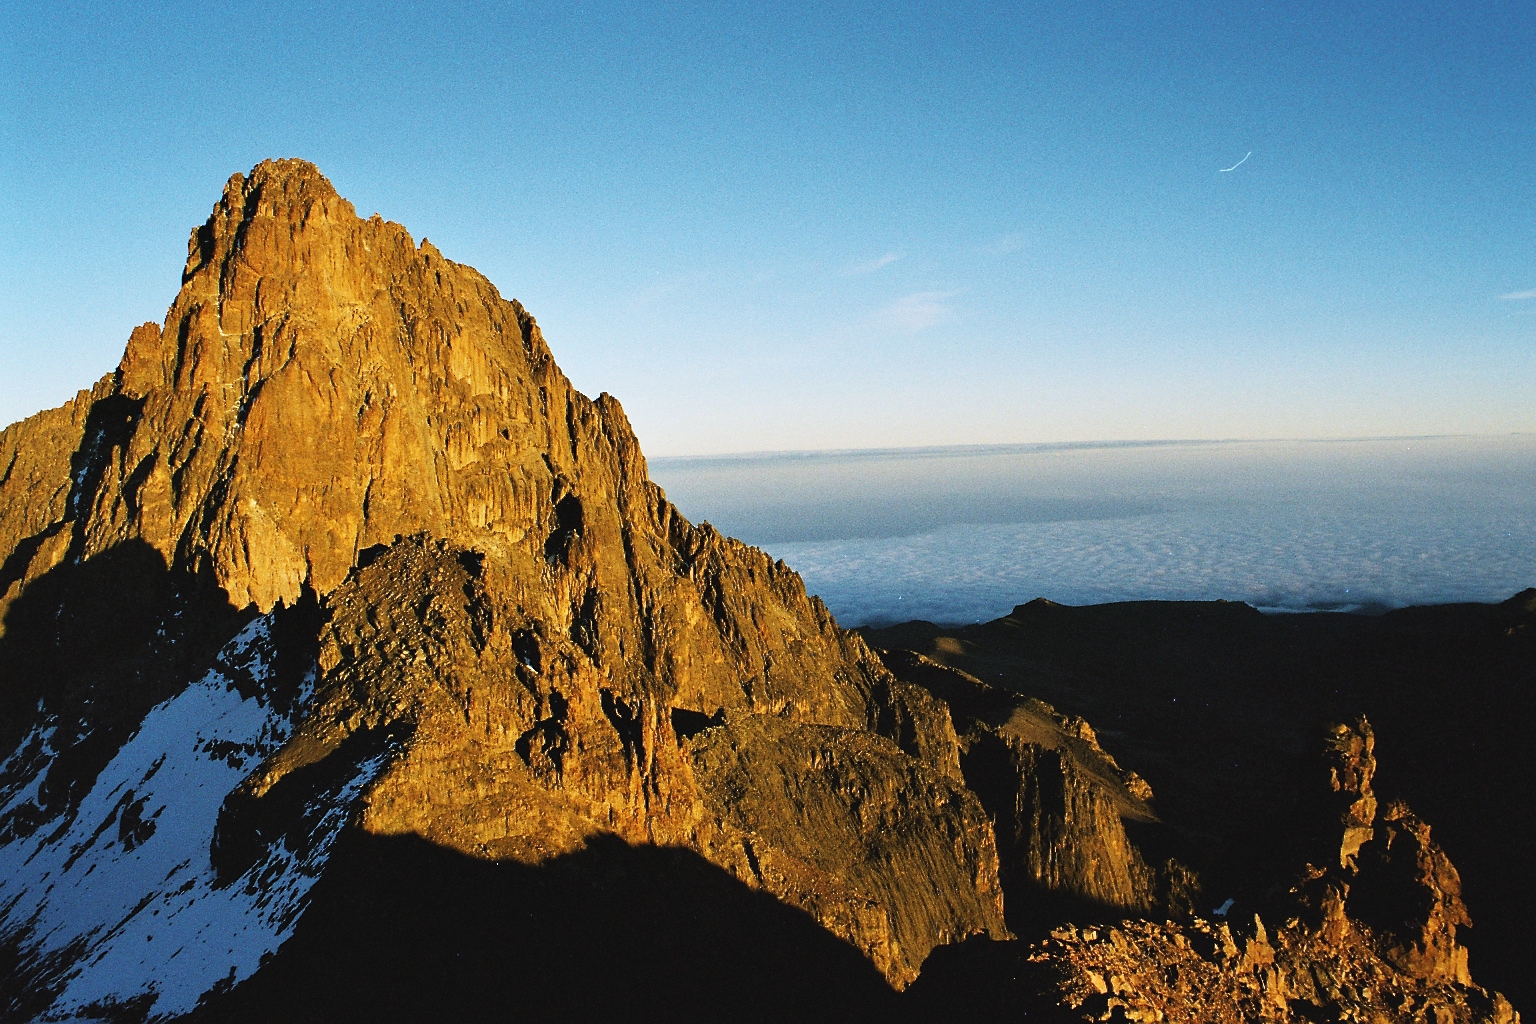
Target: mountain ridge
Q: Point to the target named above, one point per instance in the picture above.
(337, 577)
(321, 389)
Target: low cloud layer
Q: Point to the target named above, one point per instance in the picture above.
(1280, 525)
(974, 574)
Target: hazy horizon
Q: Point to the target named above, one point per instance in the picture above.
(1143, 442)
(963, 535)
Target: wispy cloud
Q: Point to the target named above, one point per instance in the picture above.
(1004, 245)
(872, 265)
(1515, 296)
(660, 291)
(916, 312)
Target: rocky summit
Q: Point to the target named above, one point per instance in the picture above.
(352, 668)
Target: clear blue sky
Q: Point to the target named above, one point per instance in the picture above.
(831, 226)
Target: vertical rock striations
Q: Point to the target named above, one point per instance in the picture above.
(524, 643)
(1059, 802)
(337, 601)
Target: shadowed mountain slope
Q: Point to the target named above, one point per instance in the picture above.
(1218, 705)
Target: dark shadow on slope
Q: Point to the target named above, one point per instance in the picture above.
(16, 563)
(1032, 908)
(30, 983)
(402, 930)
(980, 980)
(95, 645)
(1218, 706)
(290, 811)
(92, 646)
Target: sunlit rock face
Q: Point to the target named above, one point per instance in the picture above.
(498, 635)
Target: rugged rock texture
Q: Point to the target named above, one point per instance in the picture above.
(1199, 972)
(841, 824)
(1369, 936)
(1409, 893)
(1389, 875)
(41, 455)
(1219, 706)
(524, 646)
(505, 742)
(1058, 800)
(1350, 755)
(337, 628)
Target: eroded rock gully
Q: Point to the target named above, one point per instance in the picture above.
(491, 647)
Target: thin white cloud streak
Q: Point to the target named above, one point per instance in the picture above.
(873, 265)
(1224, 170)
(1005, 245)
(1516, 296)
(916, 312)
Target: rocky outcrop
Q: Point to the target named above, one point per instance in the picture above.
(1390, 881)
(43, 457)
(1349, 754)
(1201, 972)
(337, 583)
(1219, 706)
(502, 741)
(1369, 935)
(1408, 893)
(840, 824)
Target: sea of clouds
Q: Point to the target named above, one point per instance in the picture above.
(963, 534)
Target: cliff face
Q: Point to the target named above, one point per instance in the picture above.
(501, 739)
(1058, 801)
(516, 643)
(1219, 707)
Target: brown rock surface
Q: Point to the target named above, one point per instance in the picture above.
(505, 742)
(552, 655)
(1408, 890)
(561, 722)
(1219, 707)
(41, 456)
(1350, 754)
(839, 823)
(1058, 800)
(1202, 972)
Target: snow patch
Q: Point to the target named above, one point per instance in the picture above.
(127, 894)
(21, 774)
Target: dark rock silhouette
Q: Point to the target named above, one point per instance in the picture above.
(1220, 707)
(402, 929)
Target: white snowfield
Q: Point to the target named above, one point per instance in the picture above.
(133, 914)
